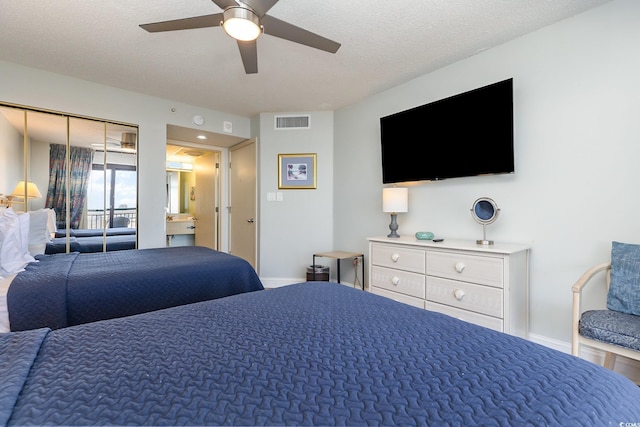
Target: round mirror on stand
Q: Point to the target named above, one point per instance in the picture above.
(485, 211)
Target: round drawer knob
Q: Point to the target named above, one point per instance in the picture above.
(460, 266)
(395, 257)
(395, 280)
(459, 294)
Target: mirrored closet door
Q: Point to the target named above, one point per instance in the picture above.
(81, 171)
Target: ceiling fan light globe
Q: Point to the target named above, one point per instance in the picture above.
(241, 24)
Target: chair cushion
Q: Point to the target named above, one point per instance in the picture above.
(624, 292)
(611, 327)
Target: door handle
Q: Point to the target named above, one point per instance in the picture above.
(251, 220)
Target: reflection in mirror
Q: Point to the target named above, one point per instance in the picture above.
(180, 192)
(183, 225)
(112, 195)
(173, 195)
(12, 157)
(85, 170)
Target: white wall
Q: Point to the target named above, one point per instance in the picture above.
(577, 143)
(302, 223)
(39, 155)
(11, 158)
(36, 88)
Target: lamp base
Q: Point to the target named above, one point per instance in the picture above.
(393, 226)
(484, 242)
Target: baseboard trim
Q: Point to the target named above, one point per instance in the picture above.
(272, 283)
(628, 367)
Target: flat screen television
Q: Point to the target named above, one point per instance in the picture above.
(468, 134)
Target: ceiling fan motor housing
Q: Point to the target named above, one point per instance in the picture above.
(241, 23)
(128, 141)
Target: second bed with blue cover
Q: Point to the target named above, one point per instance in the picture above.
(69, 289)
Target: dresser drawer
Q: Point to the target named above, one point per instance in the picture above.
(406, 299)
(467, 316)
(398, 258)
(466, 296)
(469, 268)
(403, 282)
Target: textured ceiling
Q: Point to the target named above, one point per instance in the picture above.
(384, 43)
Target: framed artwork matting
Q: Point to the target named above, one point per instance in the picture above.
(297, 171)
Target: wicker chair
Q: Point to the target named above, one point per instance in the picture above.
(120, 221)
(611, 331)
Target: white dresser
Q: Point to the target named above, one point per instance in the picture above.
(483, 284)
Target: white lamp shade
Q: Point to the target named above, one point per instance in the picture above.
(395, 199)
(32, 190)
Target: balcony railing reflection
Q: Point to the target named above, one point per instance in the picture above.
(97, 218)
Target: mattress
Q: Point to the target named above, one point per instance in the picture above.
(5, 282)
(315, 353)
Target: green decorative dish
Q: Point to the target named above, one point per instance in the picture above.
(424, 235)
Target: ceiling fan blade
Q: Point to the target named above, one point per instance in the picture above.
(249, 54)
(284, 30)
(261, 7)
(185, 23)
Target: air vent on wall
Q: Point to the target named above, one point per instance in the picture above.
(292, 122)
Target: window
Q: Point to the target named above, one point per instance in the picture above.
(118, 184)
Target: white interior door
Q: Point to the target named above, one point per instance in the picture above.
(242, 200)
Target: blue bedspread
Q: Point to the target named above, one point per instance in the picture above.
(315, 353)
(69, 289)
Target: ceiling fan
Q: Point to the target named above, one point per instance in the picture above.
(126, 142)
(244, 21)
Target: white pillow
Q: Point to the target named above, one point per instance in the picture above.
(51, 224)
(14, 242)
(24, 222)
(39, 230)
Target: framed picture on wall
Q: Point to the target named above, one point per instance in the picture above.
(297, 171)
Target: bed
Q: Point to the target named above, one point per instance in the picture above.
(63, 290)
(92, 240)
(315, 353)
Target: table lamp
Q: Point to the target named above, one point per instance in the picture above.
(395, 200)
(32, 192)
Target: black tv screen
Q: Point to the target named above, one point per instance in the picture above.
(468, 134)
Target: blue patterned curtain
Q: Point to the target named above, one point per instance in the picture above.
(80, 161)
